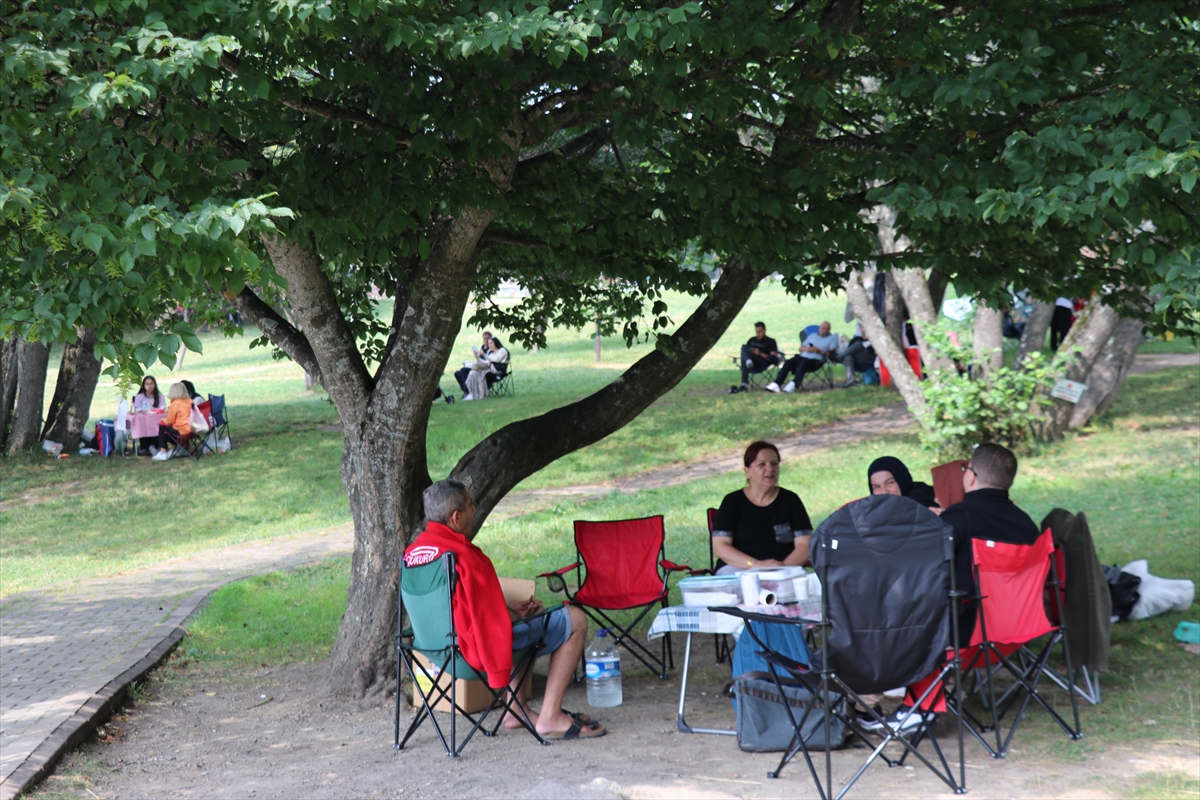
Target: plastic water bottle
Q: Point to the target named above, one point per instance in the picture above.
(602, 666)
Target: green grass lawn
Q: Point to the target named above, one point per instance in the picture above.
(86, 516)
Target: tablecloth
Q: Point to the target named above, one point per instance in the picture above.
(698, 619)
(143, 425)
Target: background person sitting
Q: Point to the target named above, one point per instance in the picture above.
(485, 625)
(461, 375)
(815, 350)
(888, 475)
(489, 368)
(176, 424)
(762, 525)
(758, 353)
(856, 355)
(147, 399)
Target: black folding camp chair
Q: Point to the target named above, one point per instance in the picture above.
(884, 546)
(819, 378)
(506, 386)
(427, 593)
(220, 417)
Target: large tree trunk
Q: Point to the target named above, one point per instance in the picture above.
(9, 349)
(1033, 338)
(73, 392)
(32, 361)
(887, 348)
(1109, 372)
(989, 338)
(938, 283)
(1089, 334)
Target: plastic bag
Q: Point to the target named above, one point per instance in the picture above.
(1158, 595)
(197, 421)
(223, 445)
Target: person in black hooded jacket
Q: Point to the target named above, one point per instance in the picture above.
(888, 475)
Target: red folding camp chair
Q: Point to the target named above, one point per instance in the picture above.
(1013, 581)
(621, 565)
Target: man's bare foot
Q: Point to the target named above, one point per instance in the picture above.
(512, 721)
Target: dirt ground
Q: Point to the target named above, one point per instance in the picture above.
(207, 732)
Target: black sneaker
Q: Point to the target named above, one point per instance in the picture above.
(449, 399)
(868, 721)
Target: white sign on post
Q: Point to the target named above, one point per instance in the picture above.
(1070, 391)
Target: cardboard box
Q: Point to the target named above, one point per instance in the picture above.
(474, 696)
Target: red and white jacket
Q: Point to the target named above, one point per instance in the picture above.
(480, 614)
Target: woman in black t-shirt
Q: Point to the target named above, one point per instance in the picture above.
(762, 525)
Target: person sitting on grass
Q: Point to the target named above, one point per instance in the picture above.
(758, 353)
(762, 525)
(176, 424)
(814, 352)
(488, 630)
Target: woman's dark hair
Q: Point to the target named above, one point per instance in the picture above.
(754, 449)
(896, 467)
(142, 389)
(496, 340)
(191, 389)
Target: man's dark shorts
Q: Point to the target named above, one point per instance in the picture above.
(556, 625)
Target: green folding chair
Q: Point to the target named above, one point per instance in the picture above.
(427, 594)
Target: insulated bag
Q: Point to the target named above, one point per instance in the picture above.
(762, 721)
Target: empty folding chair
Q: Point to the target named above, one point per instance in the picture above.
(220, 417)
(889, 618)
(621, 565)
(427, 595)
(1012, 581)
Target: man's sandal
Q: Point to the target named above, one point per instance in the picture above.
(581, 717)
(576, 731)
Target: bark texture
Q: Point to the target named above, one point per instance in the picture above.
(1089, 334)
(1109, 372)
(916, 292)
(1033, 338)
(989, 337)
(9, 349)
(73, 392)
(887, 348)
(32, 361)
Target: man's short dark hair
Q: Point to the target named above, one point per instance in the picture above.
(762, 325)
(487, 334)
(444, 498)
(995, 465)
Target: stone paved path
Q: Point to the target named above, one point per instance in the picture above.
(68, 652)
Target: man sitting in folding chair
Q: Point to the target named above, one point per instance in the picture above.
(817, 349)
(985, 513)
(488, 630)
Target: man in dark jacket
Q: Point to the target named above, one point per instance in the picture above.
(759, 352)
(987, 513)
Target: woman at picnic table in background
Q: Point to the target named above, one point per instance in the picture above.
(762, 525)
(149, 398)
(177, 422)
(888, 475)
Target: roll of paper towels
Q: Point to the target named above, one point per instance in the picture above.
(749, 588)
(800, 587)
(766, 598)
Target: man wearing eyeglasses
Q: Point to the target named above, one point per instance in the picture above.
(986, 512)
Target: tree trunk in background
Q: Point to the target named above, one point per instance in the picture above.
(887, 348)
(938, 283)
(73, 392)
(895, 311)
(1109, 372)
(8, 387)
(989, 337)
(915, 290)
(1090, 333)
(32, 360)
(1033, 338)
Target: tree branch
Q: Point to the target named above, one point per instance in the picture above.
(282, 333)
(320, 108)
(498, 463)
